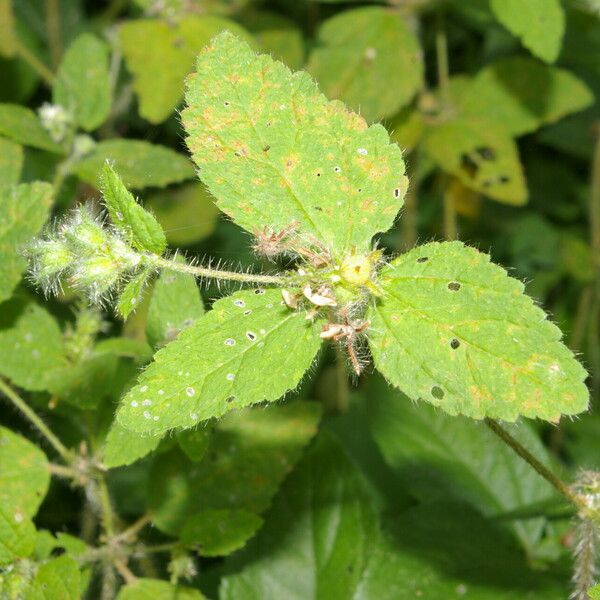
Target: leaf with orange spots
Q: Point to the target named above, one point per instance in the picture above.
(273, 151)
(454, 330)
(250, 347)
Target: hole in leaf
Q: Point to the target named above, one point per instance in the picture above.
(486, 153)
(454, 343)
(437, 392)
(422, 259)
(266, 148)
(468, 165)
(250, 335)
(397, 193)
(504, 179)
(454, 286)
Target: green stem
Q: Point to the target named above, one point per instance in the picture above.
(541, 469)
(36, 421)
(108, 516)
(441, 51)
(165, 263)
(35, 63)
(450, 222)
(342, 388)
(53, 26)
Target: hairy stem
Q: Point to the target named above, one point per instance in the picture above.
(36, 421)
(35, 63)
(342, 388)
(108, 515)
(196, 271)
(548, 475)
(584, 574)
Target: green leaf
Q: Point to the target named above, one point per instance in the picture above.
(370, 59)
(59, 578)
(219, 532)
(131, 295)
(194, 442)
(539, 24)
(155, 589)
(11, 163)
(17, 535)
(31, 345)
(594, 593)
(250, 453)
(274, 152)
(24, 475)
(220, 362)
(140, 164)
(23, 211)
(8, 37)
(327, 524)
(83, 84)
(139, 226)
(187, 214)
(523, 94)
(440, 457)
(482, 154)
(123, 447)
(159, 68)
(454, 330)
(175, 305)
(21, 125)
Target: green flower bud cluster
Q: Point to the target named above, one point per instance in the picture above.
(91, 257)
(55, 120)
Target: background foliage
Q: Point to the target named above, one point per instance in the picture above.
(339, 491)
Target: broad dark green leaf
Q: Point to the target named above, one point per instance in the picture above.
(454, 330)
(370, 59)
(23, 126)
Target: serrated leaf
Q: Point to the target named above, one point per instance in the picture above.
(11, 163)
(140, 164)
(31, 344)
(440, 457)
(23, 211)
(250, 453)
(524, 94)
(187, 214)
(8, 37)
(24, 475)
(175, 305)
(131, 295)
(123, 447)
(57, 578)
(454, 330)
(219, 532)
(370, 59)
(274, 152)
(539, 24)
(82, 83)
(159, 68)
(321, 539)
(220, 362)
(21, 125)
(139, 226)
(482, 154)
(17, 535)
(156, 589)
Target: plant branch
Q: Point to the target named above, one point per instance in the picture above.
(541, 469)
(36, 421)
(108, 516)
(132, 531)
(441, 53)
(196, 271)
(35, 63)
(53, 26)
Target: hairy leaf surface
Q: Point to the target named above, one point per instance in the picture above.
(11, 162)
(23, 126)
(275, 153)
(454, 330)
(221, 362)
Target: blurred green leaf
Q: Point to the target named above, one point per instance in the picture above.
(83, 84)
(440, 457)
(159, 68)
(370, 59)
(194, 442)
(17, 535)
(22, 125)
(11, 163)
(58, 578)
(482, 154)
(123, 447)
(218, 363)
(274, 165)
(175, 305)
(138, 225)
(249, 455)
(8, 37)
(219, 532)
(454, 330)
(406, 128)
(31, 344)
(24, 474)
(523, 94)
(187, 214)
(156, 589)
(539, 24)
(23, 211)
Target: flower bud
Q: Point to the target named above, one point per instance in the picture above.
(55, 120)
